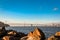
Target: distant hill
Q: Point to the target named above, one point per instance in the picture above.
(2, 24)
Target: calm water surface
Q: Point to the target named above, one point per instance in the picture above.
(47, 30)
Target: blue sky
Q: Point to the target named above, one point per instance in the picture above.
(30, 11)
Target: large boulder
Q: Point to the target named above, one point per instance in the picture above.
(57, 34)
(24, 38)
(52, 38)
(11, 32)
(15, 35)
(6, 38)
(10, 38)
(2, 32)
(55, 37)
(37, 34)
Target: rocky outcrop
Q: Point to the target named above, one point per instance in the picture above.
(55, 37)
(24, 38)
(6, 38)
(51, 38)
(2, 32)
(13, 35)
(11, 32)
(3, 24)
(37, 34)
(57, 34)
(10, 38)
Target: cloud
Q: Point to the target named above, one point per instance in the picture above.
(55, 9)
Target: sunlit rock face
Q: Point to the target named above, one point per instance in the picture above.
(10, 38)
(51, 38)
(55, 37)
(32, 36)
(12, 33)
(24, 38)
(37, 34)
(57, 34)
(6, 38)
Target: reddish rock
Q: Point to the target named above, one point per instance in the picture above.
(51, 38)
(55, 37)
(37, 34)
(6, 37)
(57, 34)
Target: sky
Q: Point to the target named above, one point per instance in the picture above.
(30, 11)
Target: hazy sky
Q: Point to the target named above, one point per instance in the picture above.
(30, 11)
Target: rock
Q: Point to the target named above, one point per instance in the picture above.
(30, 34)
(57, 34)
(6, 38)
(12, 33)
(37, 34)
(20, 34)
(51, 38)
(2, 32)
(24, 38)
(10, 38)
(3, 24)
(55, 37)
(15, 35)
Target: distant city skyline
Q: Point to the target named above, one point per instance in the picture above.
(30, 11)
